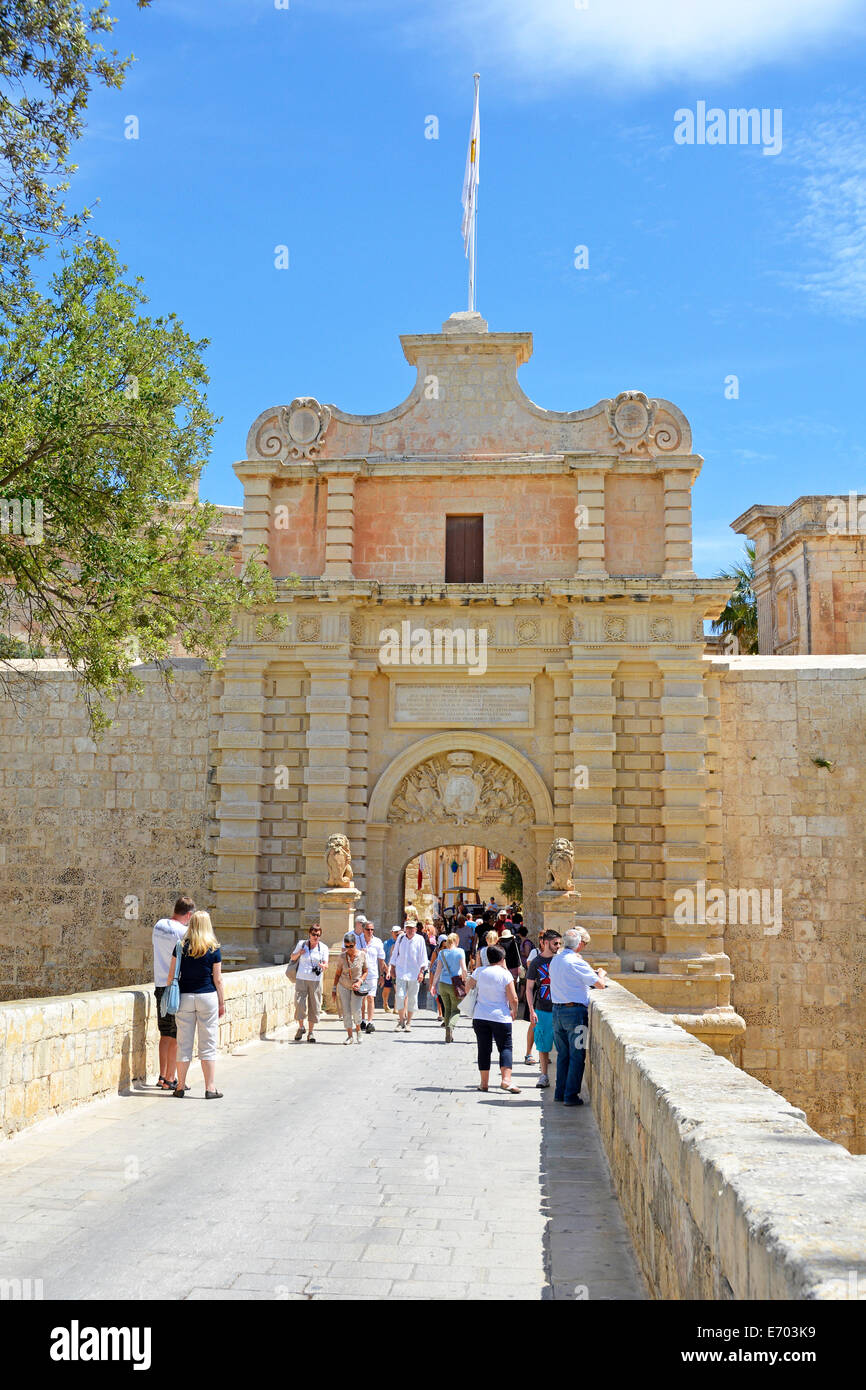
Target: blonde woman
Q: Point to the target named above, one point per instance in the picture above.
(198, 960)
(492, 939)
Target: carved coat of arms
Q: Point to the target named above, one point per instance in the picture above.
(460, 788)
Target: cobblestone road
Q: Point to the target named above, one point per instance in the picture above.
(326, 1172)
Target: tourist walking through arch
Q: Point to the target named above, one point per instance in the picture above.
(310, 958)
(450, 967)
(408, 967)
(350, 980)
(495, 1010)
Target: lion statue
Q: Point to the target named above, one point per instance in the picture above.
(339, 859)
(411, 915)
(560, 866)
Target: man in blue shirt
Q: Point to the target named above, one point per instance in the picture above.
(571, 979)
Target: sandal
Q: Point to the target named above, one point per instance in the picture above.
(482, 1088)
(512, 1090)
(163, 1084)
(180, 1092)
(213, 1095)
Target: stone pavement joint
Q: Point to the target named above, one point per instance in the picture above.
(370, 1172)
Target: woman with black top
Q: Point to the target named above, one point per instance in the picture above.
(198, 960)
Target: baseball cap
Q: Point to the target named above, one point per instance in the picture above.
(359, 917)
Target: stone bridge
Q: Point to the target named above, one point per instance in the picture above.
(380, 1171)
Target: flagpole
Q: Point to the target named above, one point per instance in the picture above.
(474, 228)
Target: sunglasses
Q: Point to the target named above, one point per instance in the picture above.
(315, 933)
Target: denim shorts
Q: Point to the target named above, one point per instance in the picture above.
(544, 1031)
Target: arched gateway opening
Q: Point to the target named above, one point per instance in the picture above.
(455, 788)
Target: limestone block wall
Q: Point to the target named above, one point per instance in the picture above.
(727, 1192)
(57, 1053)
(799, 827)
(638, 797)
(97, 838)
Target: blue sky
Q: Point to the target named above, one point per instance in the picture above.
(305, 126)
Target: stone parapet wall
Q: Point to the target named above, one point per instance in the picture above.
(97, 837)
(60, 1052)
(727, 1192)
(791, 824)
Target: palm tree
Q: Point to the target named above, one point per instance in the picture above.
(740, 614)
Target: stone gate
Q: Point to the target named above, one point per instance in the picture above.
(563, 540)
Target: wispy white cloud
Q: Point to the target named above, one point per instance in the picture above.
(636, 41)
(829, 169)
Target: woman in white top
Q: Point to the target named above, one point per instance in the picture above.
(491, 938)
(495, 1008)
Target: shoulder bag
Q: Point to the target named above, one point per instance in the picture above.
(170, 1001)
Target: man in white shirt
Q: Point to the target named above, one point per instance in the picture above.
(166, 934)
(312, 958)
(375, 949)
(408, 966)
(571, 979)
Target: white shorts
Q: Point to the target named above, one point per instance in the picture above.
(406, 993)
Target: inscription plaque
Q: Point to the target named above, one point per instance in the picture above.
(454, 705)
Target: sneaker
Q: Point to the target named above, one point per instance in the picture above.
(299, 1035)
(407, 1027)
(576, 1101)
(400, 1025)
(371, 1027)
(542, 1082)
(529, 1060)
(348, 1042)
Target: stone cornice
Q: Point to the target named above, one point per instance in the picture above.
(490, 465)
(632, 589)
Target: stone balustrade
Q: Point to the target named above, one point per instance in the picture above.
(60, 1052)
(727, 1192)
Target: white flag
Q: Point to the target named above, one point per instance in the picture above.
(470, 178)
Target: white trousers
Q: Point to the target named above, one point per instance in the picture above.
(198, 1011)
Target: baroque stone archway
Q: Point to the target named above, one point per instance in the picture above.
(456, 783)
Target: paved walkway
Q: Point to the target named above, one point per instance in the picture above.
(326, 1172)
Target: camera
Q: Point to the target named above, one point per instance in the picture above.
(316, 969)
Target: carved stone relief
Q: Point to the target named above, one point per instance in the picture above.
(462, 788)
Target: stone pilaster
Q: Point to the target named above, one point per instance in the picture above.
(359, 788)
(257, 514)
(678, 524)
(326, 808)
(240, 777)
(590, 537)
(340, 526)
(592, 743)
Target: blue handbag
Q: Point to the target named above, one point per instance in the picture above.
(170, 1001)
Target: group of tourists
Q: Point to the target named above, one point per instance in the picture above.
(486, 968)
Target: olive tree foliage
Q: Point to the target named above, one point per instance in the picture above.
(50, 58)
(104, 421)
